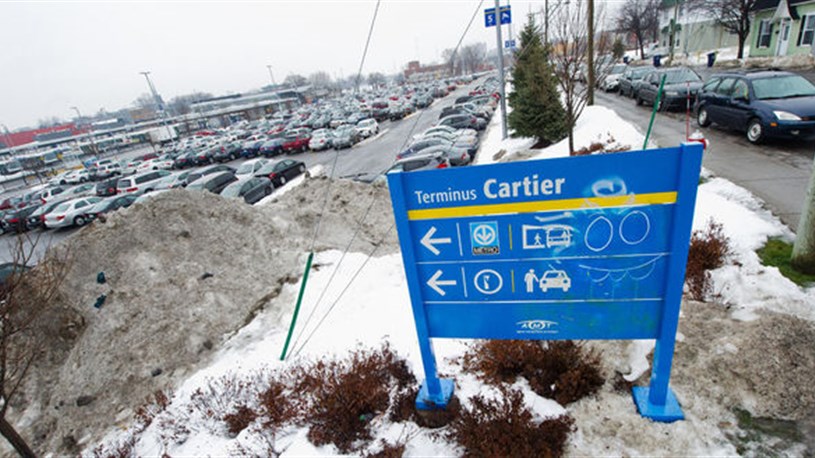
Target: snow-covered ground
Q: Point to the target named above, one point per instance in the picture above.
(376, 308)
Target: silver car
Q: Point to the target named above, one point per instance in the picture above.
(70, 213)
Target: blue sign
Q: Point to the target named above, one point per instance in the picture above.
(505, 16)
(590, 247)
(509, 44)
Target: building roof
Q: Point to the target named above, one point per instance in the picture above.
(772, 4)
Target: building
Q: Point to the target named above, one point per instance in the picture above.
(416, 71)
(695, 31)
(46, 134)
(782, 28)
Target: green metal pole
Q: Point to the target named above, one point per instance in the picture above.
(654, 112)
(297, 306)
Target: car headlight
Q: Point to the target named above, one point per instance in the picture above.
(672, 93)
(786, 116)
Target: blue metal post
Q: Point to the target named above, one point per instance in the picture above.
(657, 401)
(434, 393)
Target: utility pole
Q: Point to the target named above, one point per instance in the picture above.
(90, 131)
(502, 84)
(7, 136)
(590, 57)
(546, 22)
(160, 104)
(271, 75)
(673, 30)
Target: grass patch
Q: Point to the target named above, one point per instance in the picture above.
(777, 253)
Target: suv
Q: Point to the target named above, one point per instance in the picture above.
(142, 182)
(767, 103)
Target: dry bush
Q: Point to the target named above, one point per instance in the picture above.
(276, 405)
(388, 450)
(559, 370)
(154, 405)
(240, 419)
(708, 250)
(221, 397)
(505, 427)
(586, 150)
(345, 395)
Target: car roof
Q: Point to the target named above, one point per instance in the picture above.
(420, 157)
(756, 74)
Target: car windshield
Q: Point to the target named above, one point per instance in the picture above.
(233, 190)
(246, 167)
(683, 75)
(63, 207)
(782, 87)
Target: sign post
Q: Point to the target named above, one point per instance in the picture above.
(590, 247)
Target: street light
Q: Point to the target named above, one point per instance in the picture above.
(159, 103)
(7, 135)
(271, 75)
(90, 130)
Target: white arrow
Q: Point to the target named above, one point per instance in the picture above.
(434, 283)
(430, 243)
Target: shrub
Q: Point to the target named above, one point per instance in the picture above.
(504, 427)
(708, 250)
(276, 406)
(345, 395)
(560, 370)
(240, 419)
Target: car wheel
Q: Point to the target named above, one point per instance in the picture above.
(267, 190)
(282, 180)
(661, 106)
(79, 221)
(702, 117)
(755, 131)
(302, 168)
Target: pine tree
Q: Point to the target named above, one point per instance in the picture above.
(535, 101)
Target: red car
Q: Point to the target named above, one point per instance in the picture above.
(296, 142)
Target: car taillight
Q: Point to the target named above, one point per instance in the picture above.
(272, 175)
(131, 189)
(442, 165)
(60, 217)
(13, 221)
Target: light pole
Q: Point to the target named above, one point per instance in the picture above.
(90, 131)
(160, 104)
(271, 75)
(7, 136)
(500, 52)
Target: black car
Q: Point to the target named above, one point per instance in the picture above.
(281, 171)
(252, 189)
(762, 104)
(107, 188)
(37, 218)
(630, 78)
(207, 171)
(463, 121)
(214, 183)
(109, 205)
(680, 83)
(16, 220)
(251, 148)
(184, 160)
(206, 155)
(228, 152)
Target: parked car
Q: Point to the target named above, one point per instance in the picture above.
(345, 137)
(248, 168)
(172, 181)
(107, 188)
(320, 140)
(679, 81)
(281, 172)
(430, 161)
(77, 176)
(86, 189)
(184, 160)
(37, 218)
(272, 147)
(110, 204)
(251, 189)
(368, 127)
(463, 121)
(630, 78)
(227, 152)
(16, 220)
(70, 212)
(51, 193)
(208, 171)
(214, 182)
(296, 141)
(611, 82)
(106, 170)
(762, 104)
(251, 148)
(140, 183)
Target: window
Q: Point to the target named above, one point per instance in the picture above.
(807, 33)
(740, 90)
(726, 88)
(765, 28)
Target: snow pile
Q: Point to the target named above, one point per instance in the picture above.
(597, 125)
(184, 271)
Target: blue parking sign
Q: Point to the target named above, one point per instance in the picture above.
(590, 247)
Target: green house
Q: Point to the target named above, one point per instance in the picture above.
(782, 28)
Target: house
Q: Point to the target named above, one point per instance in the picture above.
(695, 31)
(782, 28)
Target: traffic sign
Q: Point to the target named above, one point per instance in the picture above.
(509, 44)
(590, 247)
(505, 16)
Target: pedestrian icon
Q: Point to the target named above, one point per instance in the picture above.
(531, 280)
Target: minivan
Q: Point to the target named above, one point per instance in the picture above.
(142, 182)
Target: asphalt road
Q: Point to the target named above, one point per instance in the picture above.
(371, 156)
(777, 172)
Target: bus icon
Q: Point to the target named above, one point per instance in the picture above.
(547, 236)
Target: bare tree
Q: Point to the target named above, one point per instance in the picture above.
(26, 297)
(473, 56)
(50, 121)
(182, 104)
(732, 15)
(295, 80)
(377, 79)
(638, 18)
(453, 59)
(569, 48)
(320, 79)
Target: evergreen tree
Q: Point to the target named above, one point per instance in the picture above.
(535, 101)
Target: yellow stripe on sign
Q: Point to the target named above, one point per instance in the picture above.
(545, 205)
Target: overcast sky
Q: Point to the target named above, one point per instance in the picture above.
(61, 54)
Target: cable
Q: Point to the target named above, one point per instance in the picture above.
(367, 42)
(455, 51)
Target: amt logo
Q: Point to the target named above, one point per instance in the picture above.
(484, 238)
(536, 327)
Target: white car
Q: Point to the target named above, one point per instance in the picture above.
(320, 140)
(248, 168)
(70, 213)
(368, 127)
(77, 176)
(460, 133)
(154, 164)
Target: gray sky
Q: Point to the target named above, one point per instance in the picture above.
(59, 54)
